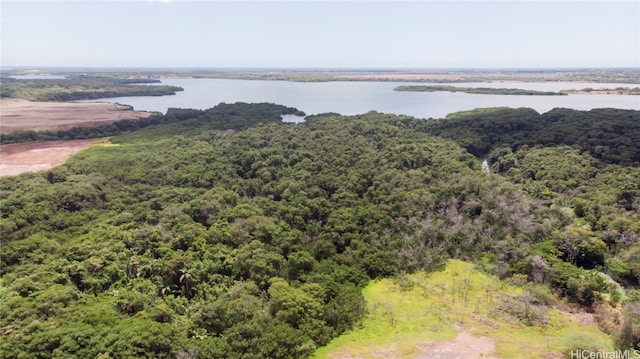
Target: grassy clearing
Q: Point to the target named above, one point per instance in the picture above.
(410, 310)
(104, 142)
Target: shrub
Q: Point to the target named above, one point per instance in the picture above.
(584, 341)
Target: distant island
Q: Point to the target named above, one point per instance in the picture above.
(605, 91)
(479, 90)
(522, 92)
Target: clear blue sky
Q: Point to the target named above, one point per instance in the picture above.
(302, 34)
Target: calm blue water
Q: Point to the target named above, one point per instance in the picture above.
(350, 98)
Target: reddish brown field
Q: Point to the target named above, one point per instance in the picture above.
(16, 114)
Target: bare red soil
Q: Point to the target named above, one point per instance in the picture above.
(18, 114)
(38, 156)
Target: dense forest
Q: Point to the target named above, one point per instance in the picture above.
(226, 233)
(82, 87)
(609, 135)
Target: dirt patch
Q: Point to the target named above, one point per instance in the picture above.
(38, 156)
(464, 346)
(18, 114)
(386, 353)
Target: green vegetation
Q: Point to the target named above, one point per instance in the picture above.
(223, 116)
(609, 135)
(81, 88)
(226, 233)
(410, 310)
(478, 90)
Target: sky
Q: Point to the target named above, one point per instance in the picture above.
(320, 34)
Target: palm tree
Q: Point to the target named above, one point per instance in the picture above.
(164, 290)
(185, 279)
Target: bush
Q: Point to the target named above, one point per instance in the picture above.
(524, 308)
(588, 342)
(629, 336)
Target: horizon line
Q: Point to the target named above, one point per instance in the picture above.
(314, 68)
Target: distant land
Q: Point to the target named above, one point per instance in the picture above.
(604, 75)
(479, 90)
(605, 91)
(73, 87)
(521, 92)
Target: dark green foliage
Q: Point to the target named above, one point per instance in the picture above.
(610, 135)
(226, 233)
(481, 130)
